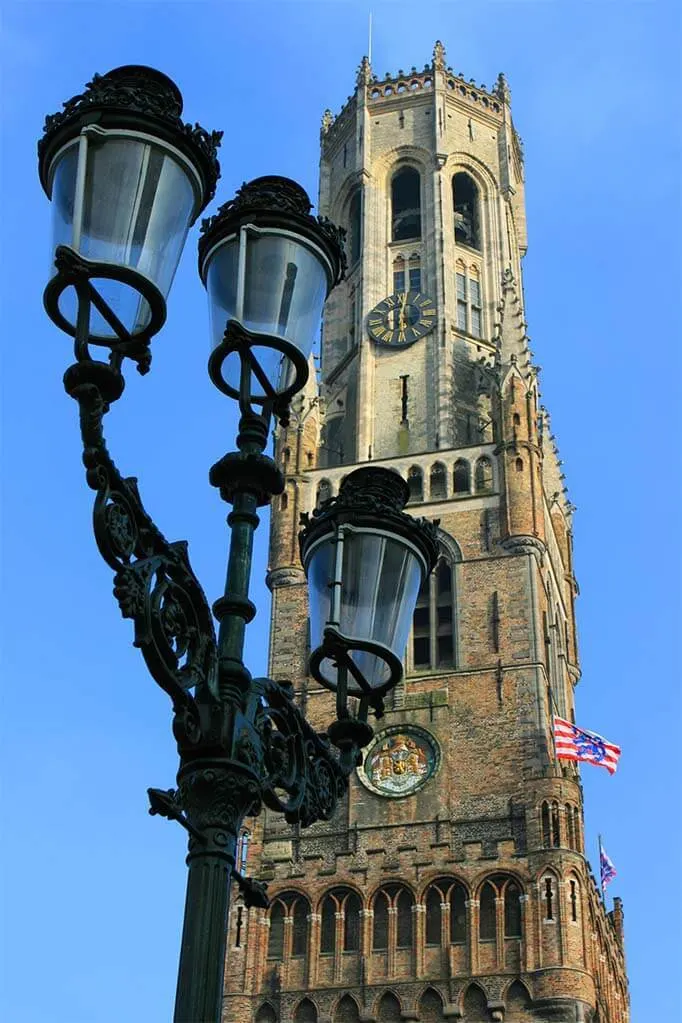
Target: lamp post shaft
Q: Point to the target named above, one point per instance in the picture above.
(204, 934)
(243, 522)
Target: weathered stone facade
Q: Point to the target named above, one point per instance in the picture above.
(471, 897)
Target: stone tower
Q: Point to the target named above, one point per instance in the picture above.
(453, 881)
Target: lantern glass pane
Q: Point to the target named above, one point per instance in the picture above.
(284, 289)
(380, 580)
(138, 202)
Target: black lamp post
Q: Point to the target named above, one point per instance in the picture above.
(127, 178)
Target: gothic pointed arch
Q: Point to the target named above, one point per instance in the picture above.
(475, 1005)
(430, 1006)
(305, 1012)
(415, 481)
(518, 1003)
(288, 932)
(389, 1009)
(346, 1011)
(438, 482)
(266, 1014)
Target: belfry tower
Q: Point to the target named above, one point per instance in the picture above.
(452, 884)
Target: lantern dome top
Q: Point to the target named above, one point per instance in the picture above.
(278, 202)
(138, 98)
(372, 496)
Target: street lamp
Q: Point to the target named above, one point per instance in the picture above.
(127, 178)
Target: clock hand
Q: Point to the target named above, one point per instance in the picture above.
(402, 311)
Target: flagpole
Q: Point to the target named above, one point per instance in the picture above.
(601, 876)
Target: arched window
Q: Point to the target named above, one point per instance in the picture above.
(347, 1011)
(556, 829)
(351, 923)
(328, 926)
(295, 908)
(355, 226)
(324, 492)
(415, 481)
(266, 1014)
(573, 900)
(576, 827)
(458, 915)
(483, 474)
(434, 897)
(299, 937)
(438, 482)
(548, 895)
(305, 1012)
(568, 812)
(406, 205)
(380, 928)
(487, 914)
(433, 622)
(475, 1004)
(346, 903)
(517, 1001)
(389, 1009)
(394, 902)
(276, 937)
(332, 449)
(512, 910)
(404, 916)
(430, 1007)
(461, 477)
(466, 210)
(546, 831)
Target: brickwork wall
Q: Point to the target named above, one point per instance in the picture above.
(499, 811)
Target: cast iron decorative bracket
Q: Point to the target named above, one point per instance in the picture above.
(242, 741)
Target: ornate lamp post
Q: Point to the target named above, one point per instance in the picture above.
(127, 178)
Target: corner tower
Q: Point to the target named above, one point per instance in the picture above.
(453, 882)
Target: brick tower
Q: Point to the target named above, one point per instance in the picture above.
(453, 882)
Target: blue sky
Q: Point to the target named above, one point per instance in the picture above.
(95, 887)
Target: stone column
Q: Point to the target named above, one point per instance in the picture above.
(392, 940)
(499, 931)
(313, 948)
(286, 949)
(366, 921)
(419, 937)
(527, 958)
(472, 907)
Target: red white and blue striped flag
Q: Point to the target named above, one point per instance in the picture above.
(573, 743)
(607, 870)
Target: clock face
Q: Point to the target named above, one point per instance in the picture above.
(401, 319)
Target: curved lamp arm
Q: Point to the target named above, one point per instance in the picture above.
(153, 582)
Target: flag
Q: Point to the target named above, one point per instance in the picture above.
(606, 868)
(573, 743)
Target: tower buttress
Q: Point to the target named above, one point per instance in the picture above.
(523, 514)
